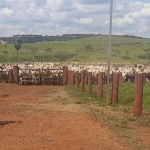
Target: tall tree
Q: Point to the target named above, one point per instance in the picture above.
(17, 45)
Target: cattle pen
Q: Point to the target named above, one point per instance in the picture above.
(65, 75)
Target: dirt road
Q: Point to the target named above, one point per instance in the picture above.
(46, 118)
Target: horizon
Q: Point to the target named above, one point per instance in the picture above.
(99, 34)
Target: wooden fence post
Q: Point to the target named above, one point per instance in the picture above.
(77, 79)
(69, 77)
(65, 75)
(10, 76)
(115, 87)
(16, 74)
(82, 81)
(100, 84)
(138, 94)
(89, 86)
(86, 78)
(72, 77)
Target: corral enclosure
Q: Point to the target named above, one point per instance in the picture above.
(43, 68)
(86, 50)
(28, 69)
(48, 73)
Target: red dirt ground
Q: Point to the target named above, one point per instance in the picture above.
(29, 124)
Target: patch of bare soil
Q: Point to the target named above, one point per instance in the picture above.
(46, 117)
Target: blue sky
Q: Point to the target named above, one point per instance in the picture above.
(57, 17)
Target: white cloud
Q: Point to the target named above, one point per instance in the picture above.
(74, 16)
(142, 12)
(119, 7)
(142, 28)
(133, 19)
(123, 21)
(5, 12)
(145, 12)
(84, 20)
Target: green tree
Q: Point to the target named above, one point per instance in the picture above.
(48, 50)
(88, 48)
(5, 52)
(17, 46)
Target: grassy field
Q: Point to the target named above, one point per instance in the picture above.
(124, 50)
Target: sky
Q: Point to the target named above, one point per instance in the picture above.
(57, 17)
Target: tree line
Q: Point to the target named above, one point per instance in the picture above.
(65, 37)
(36, 38)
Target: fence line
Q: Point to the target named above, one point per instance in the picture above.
(86, 78)
(79, 80)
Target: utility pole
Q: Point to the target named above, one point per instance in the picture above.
(109, 55)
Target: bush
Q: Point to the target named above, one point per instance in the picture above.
(142, 57)
(126, 57)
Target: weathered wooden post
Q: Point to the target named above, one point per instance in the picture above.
(65, 75)
(10, 76)
(115, 87)
(138, 94)
(89, 86)
(77, 79)
(100, 84)
(86, 78)
(82, 81)
(69, 77)
(16, 74)
(72, 77)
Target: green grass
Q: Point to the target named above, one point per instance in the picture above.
(124, 50)
(125, 97)
(116, 116)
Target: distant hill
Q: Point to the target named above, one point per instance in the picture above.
(65, 37)
(83, 48)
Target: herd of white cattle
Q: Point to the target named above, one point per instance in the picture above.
(74, 66)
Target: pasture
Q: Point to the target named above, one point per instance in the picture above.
(85, 50)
